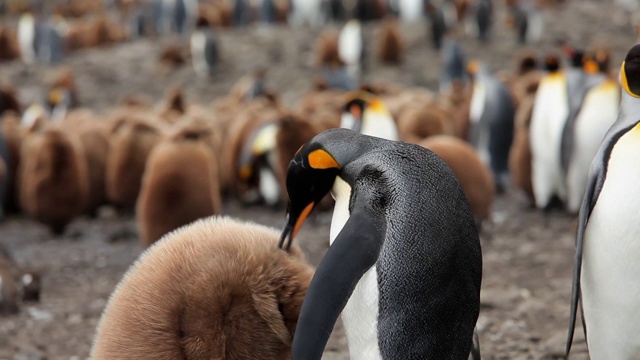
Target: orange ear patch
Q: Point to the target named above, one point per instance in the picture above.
(321, 159)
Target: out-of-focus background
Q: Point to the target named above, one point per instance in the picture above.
(92, 90)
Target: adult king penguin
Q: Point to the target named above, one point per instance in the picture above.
(492, 112)
(606, 271)
(367, 114)
(404, 265)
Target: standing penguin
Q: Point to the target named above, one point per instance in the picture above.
(407, 288)
(453, 65)
(605, 276)
(368, 115)
(492, 115)
(438, 24)
(50, 47)
(204, 50)
(484, 18)
(548, 118)
(585, 130)
(27, 40)
(351, 48)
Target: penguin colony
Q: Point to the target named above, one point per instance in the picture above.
(173, 163)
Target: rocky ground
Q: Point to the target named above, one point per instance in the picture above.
(528, 255)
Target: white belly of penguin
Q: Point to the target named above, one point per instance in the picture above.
(360, 315)
(550, 112)
(478, 102)
(599, 111)
(610, 270)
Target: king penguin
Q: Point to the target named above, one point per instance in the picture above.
(27, 38)
(407, 288)
(549, 115)
(586, 128)
(257, 162)
(351, 48)
(367, 114)
(492, 115)
(606, 272)
(204, 50)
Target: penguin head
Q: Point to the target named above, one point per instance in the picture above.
(630, 72)
(551, 63)
(314, 170)
(262, 141)
(310, 177)
(353, 110)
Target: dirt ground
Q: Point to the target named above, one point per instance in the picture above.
(527, 255)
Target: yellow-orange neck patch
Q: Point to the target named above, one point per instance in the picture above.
(625, 85)
(303, 216)
(321, 159)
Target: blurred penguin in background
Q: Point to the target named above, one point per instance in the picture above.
(204, 50)
(306, 12)
(334, 11)
(268, 12)
(411, 11)
(587, 126)
(351, 48)
(484, 19)
(27, 38)
(438, 25)
(241, 14)
(527, 19)
(179, 16)
(50, 41)
(454, 65)
(491, 114)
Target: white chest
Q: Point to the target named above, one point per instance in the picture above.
(610, 270)
(360, 315)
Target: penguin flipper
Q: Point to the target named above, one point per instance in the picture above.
(334, 282)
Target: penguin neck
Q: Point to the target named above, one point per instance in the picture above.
(379, 125)
(629, 106)
(341, 193)
(360, 314)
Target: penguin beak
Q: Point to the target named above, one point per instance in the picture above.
(292, 226)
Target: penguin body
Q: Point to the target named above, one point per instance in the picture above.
(548, 118)
(390, 310)
(411, 10)
(529, 22)
(27, 40)
(53, 177)
(597, 113)
(438, 25)
(215, 289)
(368, 115)
(241, 16)
(50, 48)
(484, 18)
(606, 268)
(492, 113)
(204, 52)
(474, 176)
(180, 184)
(306, 12)
(130, 142)
(453, 65)
(351, 48)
